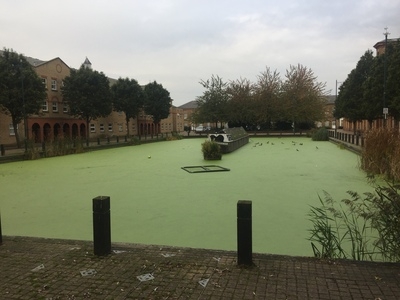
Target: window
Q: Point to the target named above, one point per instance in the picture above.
(11, 129)
(110, 127)
(65, 107)
(185, 116)
(55, 106)
(92, 128)
(45, 106)
(101, 127)
(44, 81)
(54, 85)
(120, 127)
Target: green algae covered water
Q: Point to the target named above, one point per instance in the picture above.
(154, 201)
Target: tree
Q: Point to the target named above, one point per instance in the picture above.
(303, 97)
(349, 103)
(393, 77)
(212, 105)
(157, 103)
(267, 95)
(241, 102)
(21, 90)
(87, 93)
(129, 97)
(372, 104)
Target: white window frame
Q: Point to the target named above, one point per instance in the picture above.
(101, 127)
(54, 85)
(11, 129)
(45, 106)
(120, 127)
(44, 81)
(92, 127)
(110, 127)
(65, 107)
(54, 106)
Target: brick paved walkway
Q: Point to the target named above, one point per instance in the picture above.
(35, 268)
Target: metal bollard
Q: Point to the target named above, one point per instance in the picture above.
(244, 233)
(2, 150)
(101, 225)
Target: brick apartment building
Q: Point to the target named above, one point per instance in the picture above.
(54, 119)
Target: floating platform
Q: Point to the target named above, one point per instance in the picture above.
(230, 139)
(203, 169)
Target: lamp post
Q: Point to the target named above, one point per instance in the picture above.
(385, 109)
(336, 88)
(23, 107)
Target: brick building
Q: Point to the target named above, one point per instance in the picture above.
(54, 120)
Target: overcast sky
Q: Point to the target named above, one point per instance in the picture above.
(178, 43)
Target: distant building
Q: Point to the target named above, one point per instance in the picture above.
(54, 120)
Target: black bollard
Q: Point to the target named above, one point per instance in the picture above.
(101, 225)
(1, 235)
(98, 141)
(2, 150)
(244, 233)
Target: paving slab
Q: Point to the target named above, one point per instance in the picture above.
(38, 268)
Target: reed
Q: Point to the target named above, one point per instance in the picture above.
(381, 153)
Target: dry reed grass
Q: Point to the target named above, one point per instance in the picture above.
(381, 153)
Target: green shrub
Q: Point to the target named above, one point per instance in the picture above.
(211, 150)
(320, 135)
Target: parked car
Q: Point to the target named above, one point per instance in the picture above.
(199, 128)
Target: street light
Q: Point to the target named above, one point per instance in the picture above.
(336, 88)
(23, 107)
(385, 109)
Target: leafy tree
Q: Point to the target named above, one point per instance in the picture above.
(129, 97)
(21, 90)
(240, 108)
(158, 102)
(349, 102)
(212, 105)
(393, 77)
(303, 98)
(372, 104)
(267, 93)
(87, 93)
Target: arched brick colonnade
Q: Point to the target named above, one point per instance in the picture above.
(47, 130)
(149, 128)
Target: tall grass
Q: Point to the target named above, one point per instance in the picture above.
(338, 232)
(381, 153)
(365, 227)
